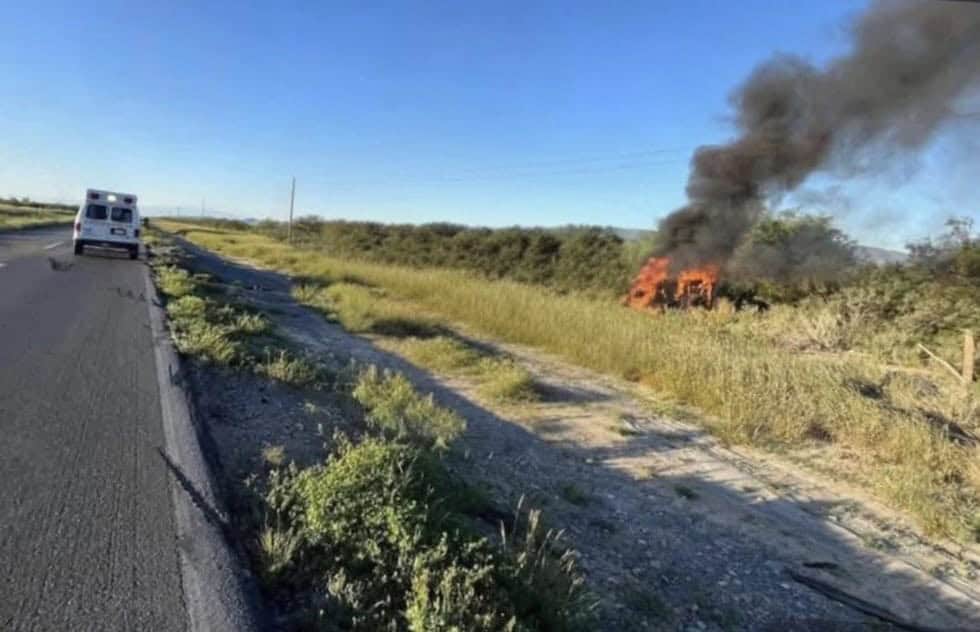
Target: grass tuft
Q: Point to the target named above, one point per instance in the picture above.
(441, 354)
(197, 337)
(174, 282)
(278, 549)
(500, 380)
(289, 369)
(251, 324)
(274, 455)
(396, 408)
(374, 528)
(505, 381)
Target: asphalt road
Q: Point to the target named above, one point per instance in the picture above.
(87, 530)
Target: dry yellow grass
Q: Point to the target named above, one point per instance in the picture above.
(752, 389)
(17, 217)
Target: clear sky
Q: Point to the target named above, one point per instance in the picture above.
(493, 113)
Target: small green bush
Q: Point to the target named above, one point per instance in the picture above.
(340, 498)
(290, 369)
(377, 529)
(211, 342)
(187, 307)
(394, 406)
(278, 550)
(450, 595)
(441, 353)
(174, 282)
(306, 293)
(251, 324)
(499, 380)
(506, 381)
(368, 510)
(355, 306)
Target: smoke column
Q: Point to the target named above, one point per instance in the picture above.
(910, 62)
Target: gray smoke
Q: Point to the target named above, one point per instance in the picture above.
(911, 61)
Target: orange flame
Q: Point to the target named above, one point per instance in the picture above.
(654, 288)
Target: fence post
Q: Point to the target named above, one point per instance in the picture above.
(969, 355)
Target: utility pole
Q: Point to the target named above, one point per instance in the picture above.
(292, 198)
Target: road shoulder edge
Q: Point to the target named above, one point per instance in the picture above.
(218, 592)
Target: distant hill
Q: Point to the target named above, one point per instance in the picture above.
(880, 256)
(631, 234)
(866, 254)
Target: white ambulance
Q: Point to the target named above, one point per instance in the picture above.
(108, 220)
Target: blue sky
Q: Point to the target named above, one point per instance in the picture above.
(492, 113)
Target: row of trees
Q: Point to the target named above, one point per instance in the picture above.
(591, 259)
(785, 258)
(28, 203)
(955, 252)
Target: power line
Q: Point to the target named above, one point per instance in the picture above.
(574, 171)
(537, 170)
(582, 160)
(577, 166)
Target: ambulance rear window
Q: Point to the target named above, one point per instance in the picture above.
(120, 214)
(96, 211)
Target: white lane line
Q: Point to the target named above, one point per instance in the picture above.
(2, 264)
(54, 245)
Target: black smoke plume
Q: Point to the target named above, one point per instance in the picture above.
(910, 63)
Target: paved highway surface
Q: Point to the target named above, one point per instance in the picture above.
(87, 534)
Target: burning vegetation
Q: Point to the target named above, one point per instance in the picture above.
(655, 287)
(910, 66)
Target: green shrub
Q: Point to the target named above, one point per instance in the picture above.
(174, 282)
(441, 353)
(499, 379)
(251, 324)
(187, 307)
(378, 531)
(341, 498)
(290, 369)
(368, 510)
(222, 332)
(506, 381)
(211, 342)
(306, 293)
(571, 258)
(394, 406)
(552, 594)
(278, 550)
(449, 594)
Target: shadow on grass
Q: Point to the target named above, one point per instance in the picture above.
(408, 328)
(319, 282)
(554, 393)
